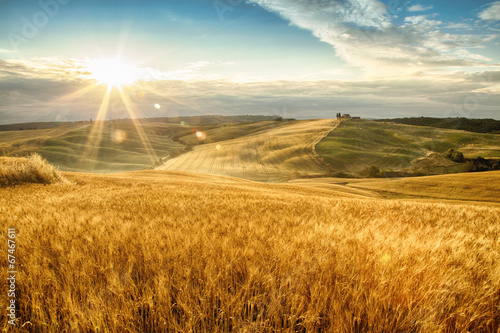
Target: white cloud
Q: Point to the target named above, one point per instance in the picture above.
(364, 35)
(465, 54)
(492, 13)
(420, 8)
(458, 26)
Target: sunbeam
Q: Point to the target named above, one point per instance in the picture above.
(90, 151)
(79, 93)
(133, 115)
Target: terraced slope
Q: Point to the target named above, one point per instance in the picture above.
(275, 154)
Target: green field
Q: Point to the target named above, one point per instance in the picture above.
(25, 142)
(121, 148)
(356, 144)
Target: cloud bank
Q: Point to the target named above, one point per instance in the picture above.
(59, 90)
(364, 35)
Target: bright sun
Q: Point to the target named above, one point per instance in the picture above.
(112, 72)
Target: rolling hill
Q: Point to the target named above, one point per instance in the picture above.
(357, 144)
(481, 187)
(121, 148)
(120, 145)
(268, 150)
(275, 152)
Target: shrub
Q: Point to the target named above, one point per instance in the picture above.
(26, 170)
(373, 172)
(455, 155)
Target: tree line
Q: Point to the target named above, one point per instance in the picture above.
(465, 124)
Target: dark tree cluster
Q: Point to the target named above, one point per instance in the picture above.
(465, 124)
(455, 155)
(473, 164)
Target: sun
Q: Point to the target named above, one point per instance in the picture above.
(112, 72)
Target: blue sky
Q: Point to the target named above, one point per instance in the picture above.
(298, 58)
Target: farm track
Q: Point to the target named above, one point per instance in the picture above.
(275, 154)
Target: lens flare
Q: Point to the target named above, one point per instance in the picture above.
(201, 135)
(157, 106)
(119, 136)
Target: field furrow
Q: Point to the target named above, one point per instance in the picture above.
(275, 154)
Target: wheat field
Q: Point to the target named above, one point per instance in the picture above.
(163, 251)
(275, 154)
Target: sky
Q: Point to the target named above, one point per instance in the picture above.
(68, 60)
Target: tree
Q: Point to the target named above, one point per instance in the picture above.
(373, 172)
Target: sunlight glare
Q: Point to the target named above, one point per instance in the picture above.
(112, 72)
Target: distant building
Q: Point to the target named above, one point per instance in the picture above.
(356, 118)
(346, 116)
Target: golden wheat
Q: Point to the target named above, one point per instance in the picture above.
(175, 252)
(23, 170)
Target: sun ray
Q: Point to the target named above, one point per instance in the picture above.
(143, 136)
(90, 151)
(77, 94)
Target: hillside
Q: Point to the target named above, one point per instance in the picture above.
(25, 142)
(268, 150)
(357, 144)
(481, 187)
(120, 145)
(273, 152)
(171, 251)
